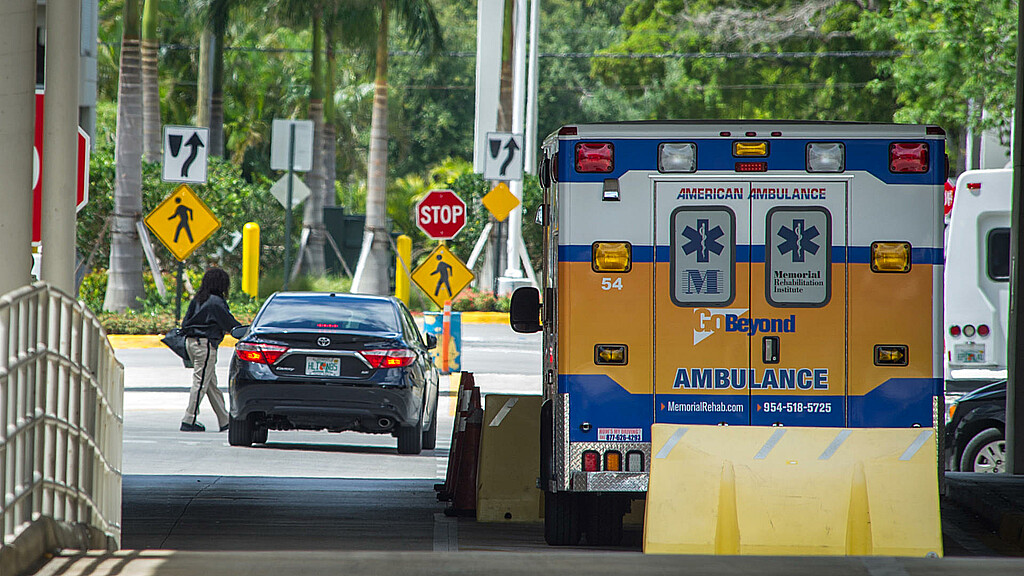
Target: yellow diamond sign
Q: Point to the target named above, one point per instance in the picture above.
(500, 201)
(182, 222)
(442, 275)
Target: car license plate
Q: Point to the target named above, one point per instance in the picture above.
(316, 366)
(969, 353)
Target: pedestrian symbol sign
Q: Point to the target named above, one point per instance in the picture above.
(442, 275)
(182, 222)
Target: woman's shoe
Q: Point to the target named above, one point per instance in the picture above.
(197, 427)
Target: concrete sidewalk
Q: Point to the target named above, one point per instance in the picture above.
(998, 499)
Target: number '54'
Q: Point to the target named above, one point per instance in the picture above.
(607, 284)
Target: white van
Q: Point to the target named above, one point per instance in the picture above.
(977, 279)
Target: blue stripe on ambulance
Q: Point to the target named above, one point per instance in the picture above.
(755, 254)
(597, 398)
(716, 154)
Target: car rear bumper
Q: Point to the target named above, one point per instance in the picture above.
(335, 407)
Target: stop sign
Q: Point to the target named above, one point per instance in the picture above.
(441, 214)
(82, 187)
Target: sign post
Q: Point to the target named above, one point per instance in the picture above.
(282, 148)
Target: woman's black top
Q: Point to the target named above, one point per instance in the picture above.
(210, 320)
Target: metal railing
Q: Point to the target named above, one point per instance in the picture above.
(61, 415)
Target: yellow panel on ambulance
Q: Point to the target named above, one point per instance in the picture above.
(793, 491)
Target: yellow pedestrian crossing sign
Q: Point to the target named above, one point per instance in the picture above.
(442, 275)
(182, 222)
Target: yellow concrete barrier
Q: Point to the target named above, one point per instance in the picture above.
(792, 491)
(509, 460)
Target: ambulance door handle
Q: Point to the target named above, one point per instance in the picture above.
(770, 349)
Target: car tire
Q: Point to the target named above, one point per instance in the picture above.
(430, 434)
(986, 452)
(260, 435)
(240, 432)
(410, 438)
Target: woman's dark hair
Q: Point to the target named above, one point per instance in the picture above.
(215, 281)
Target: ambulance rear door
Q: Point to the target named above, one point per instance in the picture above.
(798, 312)
(701, 286)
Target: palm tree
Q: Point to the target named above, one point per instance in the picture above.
(150, 82)
(421, 22)
(313, 211)
(210, 94)
(124, 278)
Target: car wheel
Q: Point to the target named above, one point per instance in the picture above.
(430, 434)
(260, 436)
(410, 438)
(986, 452)
(240, 432)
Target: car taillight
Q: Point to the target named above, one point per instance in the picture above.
(595, 157)
(591, 461)
(983, 330)
(954, 330)
(908, 157)
(259, 353)
(393, 358)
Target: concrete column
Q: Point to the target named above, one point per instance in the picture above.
(60, 143)
(17, 129)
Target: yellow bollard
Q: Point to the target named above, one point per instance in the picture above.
(251, 258)
(403, 261)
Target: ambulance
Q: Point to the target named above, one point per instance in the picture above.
(732, 273)
(977, 279)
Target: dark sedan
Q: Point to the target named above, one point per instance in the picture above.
(975, 435)
(336, 362)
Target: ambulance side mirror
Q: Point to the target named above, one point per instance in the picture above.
(524, 310)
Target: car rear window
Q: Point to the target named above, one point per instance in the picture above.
(329, 313)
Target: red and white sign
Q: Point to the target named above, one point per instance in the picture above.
(947, 198)
(82, 189)
(441, 214)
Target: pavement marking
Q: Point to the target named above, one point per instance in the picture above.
(446, 533)
(496, 421)
(769, 445)
(672, 441)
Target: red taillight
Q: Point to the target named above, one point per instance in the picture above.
(567, 131)
(954, 330)
(908, 157)
(259, 353)
(394, 358)
(983, 330)
(974, 185)
(595, 157)
(751, 166)
(591, 461)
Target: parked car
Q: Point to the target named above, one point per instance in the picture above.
(975, 435)
(336, 362)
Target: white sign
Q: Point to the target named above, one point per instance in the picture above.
(185, 153)
(299, 190)
(503, 156)
(302, 161)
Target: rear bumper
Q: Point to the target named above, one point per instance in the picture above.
(334, 407)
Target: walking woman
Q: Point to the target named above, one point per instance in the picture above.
(206, 321)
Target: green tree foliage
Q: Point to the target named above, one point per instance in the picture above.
(747, 59)
(954, 52)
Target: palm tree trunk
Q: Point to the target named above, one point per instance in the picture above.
(150, 82)
(313, 215)
(217, 88)
(203, 80)
(124, 277)
(375, 277)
